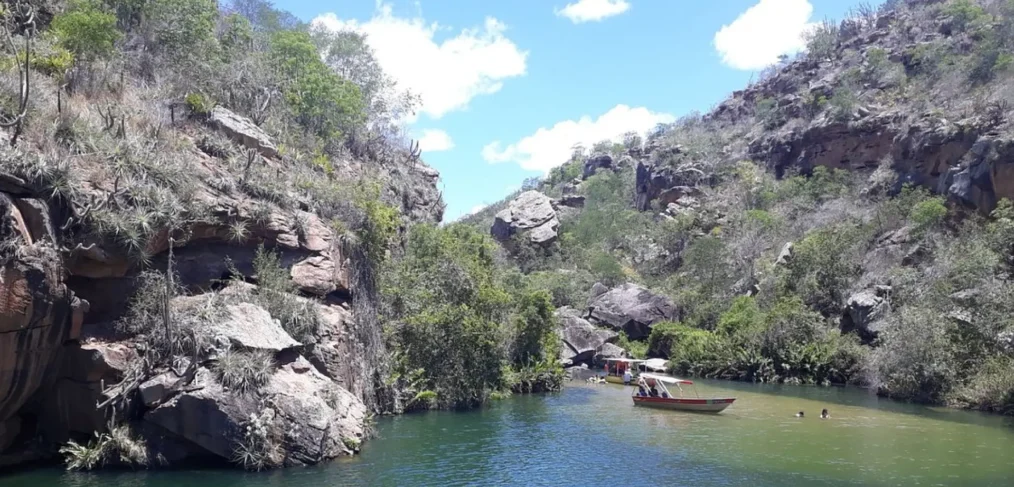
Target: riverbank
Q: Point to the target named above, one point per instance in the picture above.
(588, 432)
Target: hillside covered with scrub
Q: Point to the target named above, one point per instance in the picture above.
(845, 219)
(216, 244)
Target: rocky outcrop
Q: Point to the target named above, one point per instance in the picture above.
(532, 213)
(249, 327)
(785, 256)
(243, 131)
(632, 309)
(863, 310)
(83, 372)
(609, 350)
(38, 312)
(580, 339)
(61, 289)
(303, 414)
(663, 183)
(597, 163)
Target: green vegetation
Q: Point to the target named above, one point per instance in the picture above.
(117, 447)
(276, 293)
(461, 327)
(244, 372)
(323, 102)
(87, 29)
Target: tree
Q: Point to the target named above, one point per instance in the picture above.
(87, 29)
(182, 29)
(323, 102)
(264, 18)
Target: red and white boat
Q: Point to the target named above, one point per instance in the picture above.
(663, 399)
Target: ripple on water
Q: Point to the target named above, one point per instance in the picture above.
(592, 435)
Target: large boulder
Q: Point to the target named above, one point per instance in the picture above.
(304, 413)
(580, 339)
(863, 310)
(243, 131)
(609, 350)
(251, 327)
(530, 212)
(632, 309)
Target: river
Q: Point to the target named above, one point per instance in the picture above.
(592, 435)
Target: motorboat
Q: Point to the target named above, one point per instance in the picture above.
(616, 368)
(663, 399)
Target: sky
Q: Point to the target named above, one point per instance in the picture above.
(508, 87)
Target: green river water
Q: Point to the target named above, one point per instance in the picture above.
(592, 435)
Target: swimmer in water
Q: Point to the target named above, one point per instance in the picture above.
(825, 415)
(799, 414)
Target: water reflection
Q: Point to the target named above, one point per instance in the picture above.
(592, 435)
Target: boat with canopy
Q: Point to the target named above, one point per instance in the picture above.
(653, 393)
(616, 368)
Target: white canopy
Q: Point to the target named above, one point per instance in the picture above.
(665, 379)
(624, 360)
(656, 364)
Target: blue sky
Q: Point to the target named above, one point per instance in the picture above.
(508, 86)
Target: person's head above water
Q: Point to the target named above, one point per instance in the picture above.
(825, 414)
(799, 414)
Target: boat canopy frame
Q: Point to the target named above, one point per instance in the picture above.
(662, 380)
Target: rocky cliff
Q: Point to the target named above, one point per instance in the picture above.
(75, 357)
(844, 219)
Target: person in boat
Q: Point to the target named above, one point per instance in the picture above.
(824, 414)
(653, 392)
(627, 377)
(642, 387)
(799, 414)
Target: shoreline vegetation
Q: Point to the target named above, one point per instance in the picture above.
(216, 209)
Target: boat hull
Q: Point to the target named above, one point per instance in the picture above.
(716, 405)
(612, 379)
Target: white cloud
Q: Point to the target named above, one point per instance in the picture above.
(550, 147)
(435, 140)
(763, 32)
(592, 10)
(446, 74)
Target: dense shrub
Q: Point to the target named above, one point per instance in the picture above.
(87, 29)
(456, 325)
(323, 102)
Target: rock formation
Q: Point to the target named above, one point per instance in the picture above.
(64, 296)
(580, 339)
(531, 213)
(632, 309)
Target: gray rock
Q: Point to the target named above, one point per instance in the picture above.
(571, 201)
(609, 350)
(580, 339)
(785, 256)
(595, 163)
(315, 415)
(530, 212)
(206, 416)
(250, 327)
(156, 390)
(632, 309)
(243, 131)
(306, 413)
(863, 310)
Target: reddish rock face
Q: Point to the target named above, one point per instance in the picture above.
(35, 315)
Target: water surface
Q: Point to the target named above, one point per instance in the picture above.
(592, 435)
